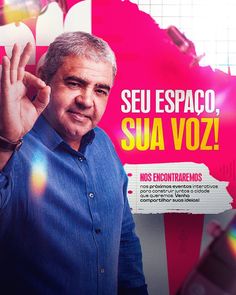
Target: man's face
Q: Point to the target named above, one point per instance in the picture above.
(79, 94)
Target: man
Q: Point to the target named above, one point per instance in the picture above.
(65, 223)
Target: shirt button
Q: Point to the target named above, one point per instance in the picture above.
(81, 159)
(97, 230)
(102, 270)
(91, 195)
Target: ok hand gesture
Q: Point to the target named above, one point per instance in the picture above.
(18, 112)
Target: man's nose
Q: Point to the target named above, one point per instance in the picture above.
(85, 99)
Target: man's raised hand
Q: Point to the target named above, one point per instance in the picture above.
(18, 112)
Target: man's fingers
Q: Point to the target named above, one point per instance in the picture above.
(5, 80)
(14, 62)
(43, 96)
(42, 99)
(24, 58)
(32, 80)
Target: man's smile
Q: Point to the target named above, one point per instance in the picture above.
(79, 116)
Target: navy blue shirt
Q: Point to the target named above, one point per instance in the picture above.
(65, 222)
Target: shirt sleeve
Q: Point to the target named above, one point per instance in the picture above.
(130, 273)
(6, 182)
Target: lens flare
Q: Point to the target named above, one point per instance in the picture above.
(38, 178)
(232, 239)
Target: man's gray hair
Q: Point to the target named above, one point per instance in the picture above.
(76, 44)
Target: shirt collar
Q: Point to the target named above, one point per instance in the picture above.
(86, 139)
(52, 139)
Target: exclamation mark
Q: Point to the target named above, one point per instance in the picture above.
(216, 133)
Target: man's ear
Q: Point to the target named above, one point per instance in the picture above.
(40, 66)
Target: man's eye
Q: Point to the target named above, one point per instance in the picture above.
(73, 84)
(102, 92)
